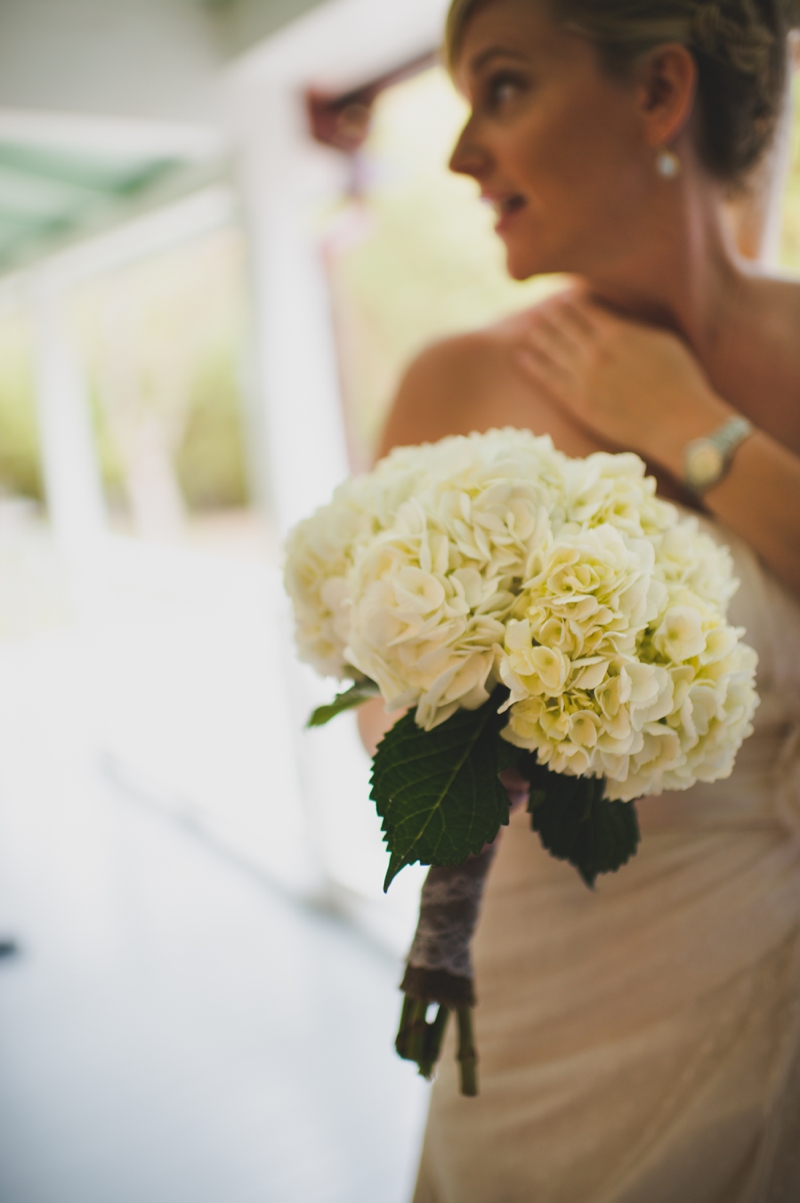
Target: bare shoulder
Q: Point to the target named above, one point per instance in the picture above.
(445, 389)
(471, 383)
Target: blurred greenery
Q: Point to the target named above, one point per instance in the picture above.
(210, 461)
(171, 331)
(162, 343)
(20, 466)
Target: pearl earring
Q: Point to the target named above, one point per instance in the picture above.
(668, 164)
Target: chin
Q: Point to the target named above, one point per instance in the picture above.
(518, 271)
(522, 266)
(526, 258)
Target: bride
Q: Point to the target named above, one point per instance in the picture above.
(639, 1044)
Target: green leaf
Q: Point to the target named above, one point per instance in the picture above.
(508, 755)
(576, 823)
(437, 791)
(362, 691)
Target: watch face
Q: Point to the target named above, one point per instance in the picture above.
(704, 463)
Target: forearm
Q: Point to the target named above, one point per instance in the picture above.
(758, 498)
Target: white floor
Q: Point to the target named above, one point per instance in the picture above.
(175, 1030)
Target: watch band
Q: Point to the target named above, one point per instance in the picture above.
(706, 460)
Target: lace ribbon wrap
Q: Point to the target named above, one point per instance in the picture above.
(439, 965)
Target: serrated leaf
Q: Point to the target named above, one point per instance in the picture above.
(576, 823)
(437, 791)
(508, 755)
(362, 691)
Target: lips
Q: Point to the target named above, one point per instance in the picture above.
(510, 205)
(505, 205)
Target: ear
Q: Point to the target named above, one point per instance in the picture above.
(668, 84)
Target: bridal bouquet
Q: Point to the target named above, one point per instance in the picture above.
(525, 611)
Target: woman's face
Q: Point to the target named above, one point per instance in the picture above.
(556, 144)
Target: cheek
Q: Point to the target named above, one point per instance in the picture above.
(583, 156)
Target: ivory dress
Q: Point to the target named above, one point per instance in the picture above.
(641, 1044)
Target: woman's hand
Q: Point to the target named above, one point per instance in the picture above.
(641, 389)
(630, 385)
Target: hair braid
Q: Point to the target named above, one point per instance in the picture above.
(734, 33)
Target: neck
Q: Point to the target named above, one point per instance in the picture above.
(682, 273)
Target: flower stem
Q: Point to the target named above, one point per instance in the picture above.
(467, 1055)
(434, 1037)
(420, 1041)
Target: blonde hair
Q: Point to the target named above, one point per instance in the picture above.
(739, 46)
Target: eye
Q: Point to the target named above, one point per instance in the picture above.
(502, 88)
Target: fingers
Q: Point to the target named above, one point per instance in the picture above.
(574, 325)
(554, 364)
(561, 351)
(542, 369)
(548, 334)
(566, 327)
(552, 348)
(578, 315)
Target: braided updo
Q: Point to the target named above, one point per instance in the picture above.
(739, 47)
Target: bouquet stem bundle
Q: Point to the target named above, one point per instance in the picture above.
(439, 968)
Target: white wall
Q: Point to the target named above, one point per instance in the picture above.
(146, 59)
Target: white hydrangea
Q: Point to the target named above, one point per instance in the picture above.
(614, 489)
(664, 707)
(319, 557)
(579, 695)
(688, 556)
(494, 558)
(713, 692)
(430, 595)
(321, 551)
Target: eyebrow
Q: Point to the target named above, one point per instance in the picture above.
(485, 56)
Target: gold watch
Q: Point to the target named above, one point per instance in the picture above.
(706, 460)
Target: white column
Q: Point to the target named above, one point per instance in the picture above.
(71, 471)
(286, 182)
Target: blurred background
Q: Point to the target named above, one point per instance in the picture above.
(225, 226)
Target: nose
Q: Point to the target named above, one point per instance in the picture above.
(469, 157)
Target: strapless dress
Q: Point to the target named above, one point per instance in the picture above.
(641, 1043)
